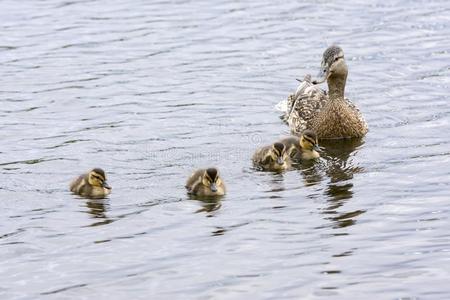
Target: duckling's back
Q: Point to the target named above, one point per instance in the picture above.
(260, 154)
(292, 144)
(194, 179)
(77, 184)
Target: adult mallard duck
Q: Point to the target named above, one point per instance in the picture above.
(91, 185)
(330, 116)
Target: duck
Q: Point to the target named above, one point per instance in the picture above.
(272, 158)
(206, 183)
(330, 115)
(304, 148)
(91, 185)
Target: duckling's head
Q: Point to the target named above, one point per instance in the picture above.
(278, 153)
(211, 179)
(333, 63)
(308, 141)
(97, 177)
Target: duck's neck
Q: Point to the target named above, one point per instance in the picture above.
(336, 87)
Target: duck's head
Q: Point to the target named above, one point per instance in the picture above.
(97, 177)
(278, 154)
(211, 179)
(309, 141)
(333, 64)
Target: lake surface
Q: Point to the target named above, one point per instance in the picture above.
(151, 90)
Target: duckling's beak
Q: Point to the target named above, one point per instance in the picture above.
(213, 187)
(316, 147)
(106, 185)
(280, 161)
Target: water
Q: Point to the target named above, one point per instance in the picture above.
(150, 91)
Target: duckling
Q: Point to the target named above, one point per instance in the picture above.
(205, 182)
(91, 185)
(272, 158)
(303, 148)
(331, 116)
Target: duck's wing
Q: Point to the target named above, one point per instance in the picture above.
(304, 105)
(260, 154)
(77, 183)
(285, 106)
(358, 114)
(194, 179)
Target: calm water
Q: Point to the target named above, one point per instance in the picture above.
(151, 90)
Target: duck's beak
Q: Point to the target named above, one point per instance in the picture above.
(316, 147)
(106, 185)
(280, 161)
(213, 187)
(322, 75)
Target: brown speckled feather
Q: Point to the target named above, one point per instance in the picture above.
(304, 112)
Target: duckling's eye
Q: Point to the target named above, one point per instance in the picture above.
(98, 178)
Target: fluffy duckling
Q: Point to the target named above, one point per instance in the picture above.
(205, 182)
(331, 116)
(303, 148)
(272, 158)
(91, 185)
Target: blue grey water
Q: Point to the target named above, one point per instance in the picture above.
(151, 90)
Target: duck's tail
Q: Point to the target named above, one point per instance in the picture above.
(285, 106)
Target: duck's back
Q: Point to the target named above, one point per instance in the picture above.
(260, 154)
(194, 179)
(310, 108)
(292, 144)
(77, 184)
(304, 105)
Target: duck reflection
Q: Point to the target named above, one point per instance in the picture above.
(219, 231)
(276, 183)
(337, 165)
(97, 208)
(340, 169)
(311, 171)
(209, 204)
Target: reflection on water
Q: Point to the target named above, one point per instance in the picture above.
(311, 171)
(97, 209)
(340, 169)
(209, 204)
(276, 183)
(150, 90)
(219, 231)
